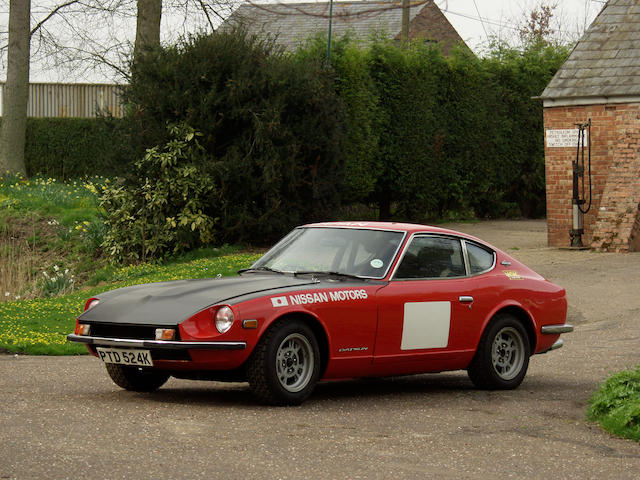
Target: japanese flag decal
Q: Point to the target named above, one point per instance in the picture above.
(279, 302)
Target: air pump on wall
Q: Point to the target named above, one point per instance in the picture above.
(579, 188)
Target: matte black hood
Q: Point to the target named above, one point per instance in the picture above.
(169, 303)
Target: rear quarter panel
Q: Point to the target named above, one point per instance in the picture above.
(521, 288)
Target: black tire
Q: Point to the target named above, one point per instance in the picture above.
(502, 358)
(285, 365)
(136, 379)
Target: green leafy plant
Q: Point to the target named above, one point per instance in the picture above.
(162, 212)
(616, 405)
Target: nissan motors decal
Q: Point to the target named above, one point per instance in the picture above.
(319, 297)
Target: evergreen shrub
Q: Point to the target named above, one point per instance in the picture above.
(162, 213)
(272, 127)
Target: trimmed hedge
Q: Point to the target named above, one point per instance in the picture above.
(75, 147)
(430, 137)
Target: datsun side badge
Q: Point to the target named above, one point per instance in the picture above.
(512, 275)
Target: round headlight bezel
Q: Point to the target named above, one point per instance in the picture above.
(223, 319)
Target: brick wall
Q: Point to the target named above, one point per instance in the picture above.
(618, 212)
(609, 126)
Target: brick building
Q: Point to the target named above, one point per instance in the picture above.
(293, 23)
(599, 81)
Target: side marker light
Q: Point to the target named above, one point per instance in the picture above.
(250, 324)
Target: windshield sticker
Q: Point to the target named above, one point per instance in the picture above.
(512, 275)
(376, 263)
(319, 297)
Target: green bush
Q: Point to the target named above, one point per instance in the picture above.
(616, 405)
(271, 124)
(162, 212)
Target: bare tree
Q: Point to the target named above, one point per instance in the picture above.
(16, 89)
(537, 25)
(64, 34)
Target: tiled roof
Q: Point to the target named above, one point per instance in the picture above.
(293, 23)
(605, 63)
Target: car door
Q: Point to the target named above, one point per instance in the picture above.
(433, 307)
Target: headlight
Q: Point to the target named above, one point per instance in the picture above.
(224, 319)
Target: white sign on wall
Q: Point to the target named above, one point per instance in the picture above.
(564, 138)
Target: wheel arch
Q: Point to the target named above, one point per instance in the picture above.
(316, 327)
(523, 317)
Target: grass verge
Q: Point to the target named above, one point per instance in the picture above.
(40, 326)
(50, 234)
(616, 405)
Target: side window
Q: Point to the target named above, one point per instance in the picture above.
(432, 257)
(480, 259)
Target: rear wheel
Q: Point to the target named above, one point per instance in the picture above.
(136, 379)
(285, 365)
(502, 358)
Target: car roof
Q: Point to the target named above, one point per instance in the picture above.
(397, 226)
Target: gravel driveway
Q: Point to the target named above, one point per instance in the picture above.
(63, 418)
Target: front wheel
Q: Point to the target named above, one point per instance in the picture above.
(285, 365)
(502, 358)
(136, 379)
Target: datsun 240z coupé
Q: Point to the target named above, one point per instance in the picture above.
(334, 301)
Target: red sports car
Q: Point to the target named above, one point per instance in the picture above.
(333, 301)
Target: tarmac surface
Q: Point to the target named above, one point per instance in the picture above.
(62, 417)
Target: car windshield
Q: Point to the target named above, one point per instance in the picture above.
(345, 251)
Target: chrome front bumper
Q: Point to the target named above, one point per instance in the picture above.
(162, 344)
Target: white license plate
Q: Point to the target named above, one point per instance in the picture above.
(139, 358)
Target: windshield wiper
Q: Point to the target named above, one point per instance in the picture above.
(260, 269)
(324, 272)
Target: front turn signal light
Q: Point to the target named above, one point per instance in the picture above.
(84, 329)
(165, 334)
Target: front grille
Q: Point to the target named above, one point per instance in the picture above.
(118, 330)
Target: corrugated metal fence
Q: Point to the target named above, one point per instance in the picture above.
(72, 100)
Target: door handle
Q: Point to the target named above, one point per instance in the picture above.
(465, 299)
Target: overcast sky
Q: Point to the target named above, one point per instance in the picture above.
(475, 21)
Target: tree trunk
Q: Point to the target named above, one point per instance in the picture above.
(147, 26)
(16, 89)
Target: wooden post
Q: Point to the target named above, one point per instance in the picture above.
(404, 35)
